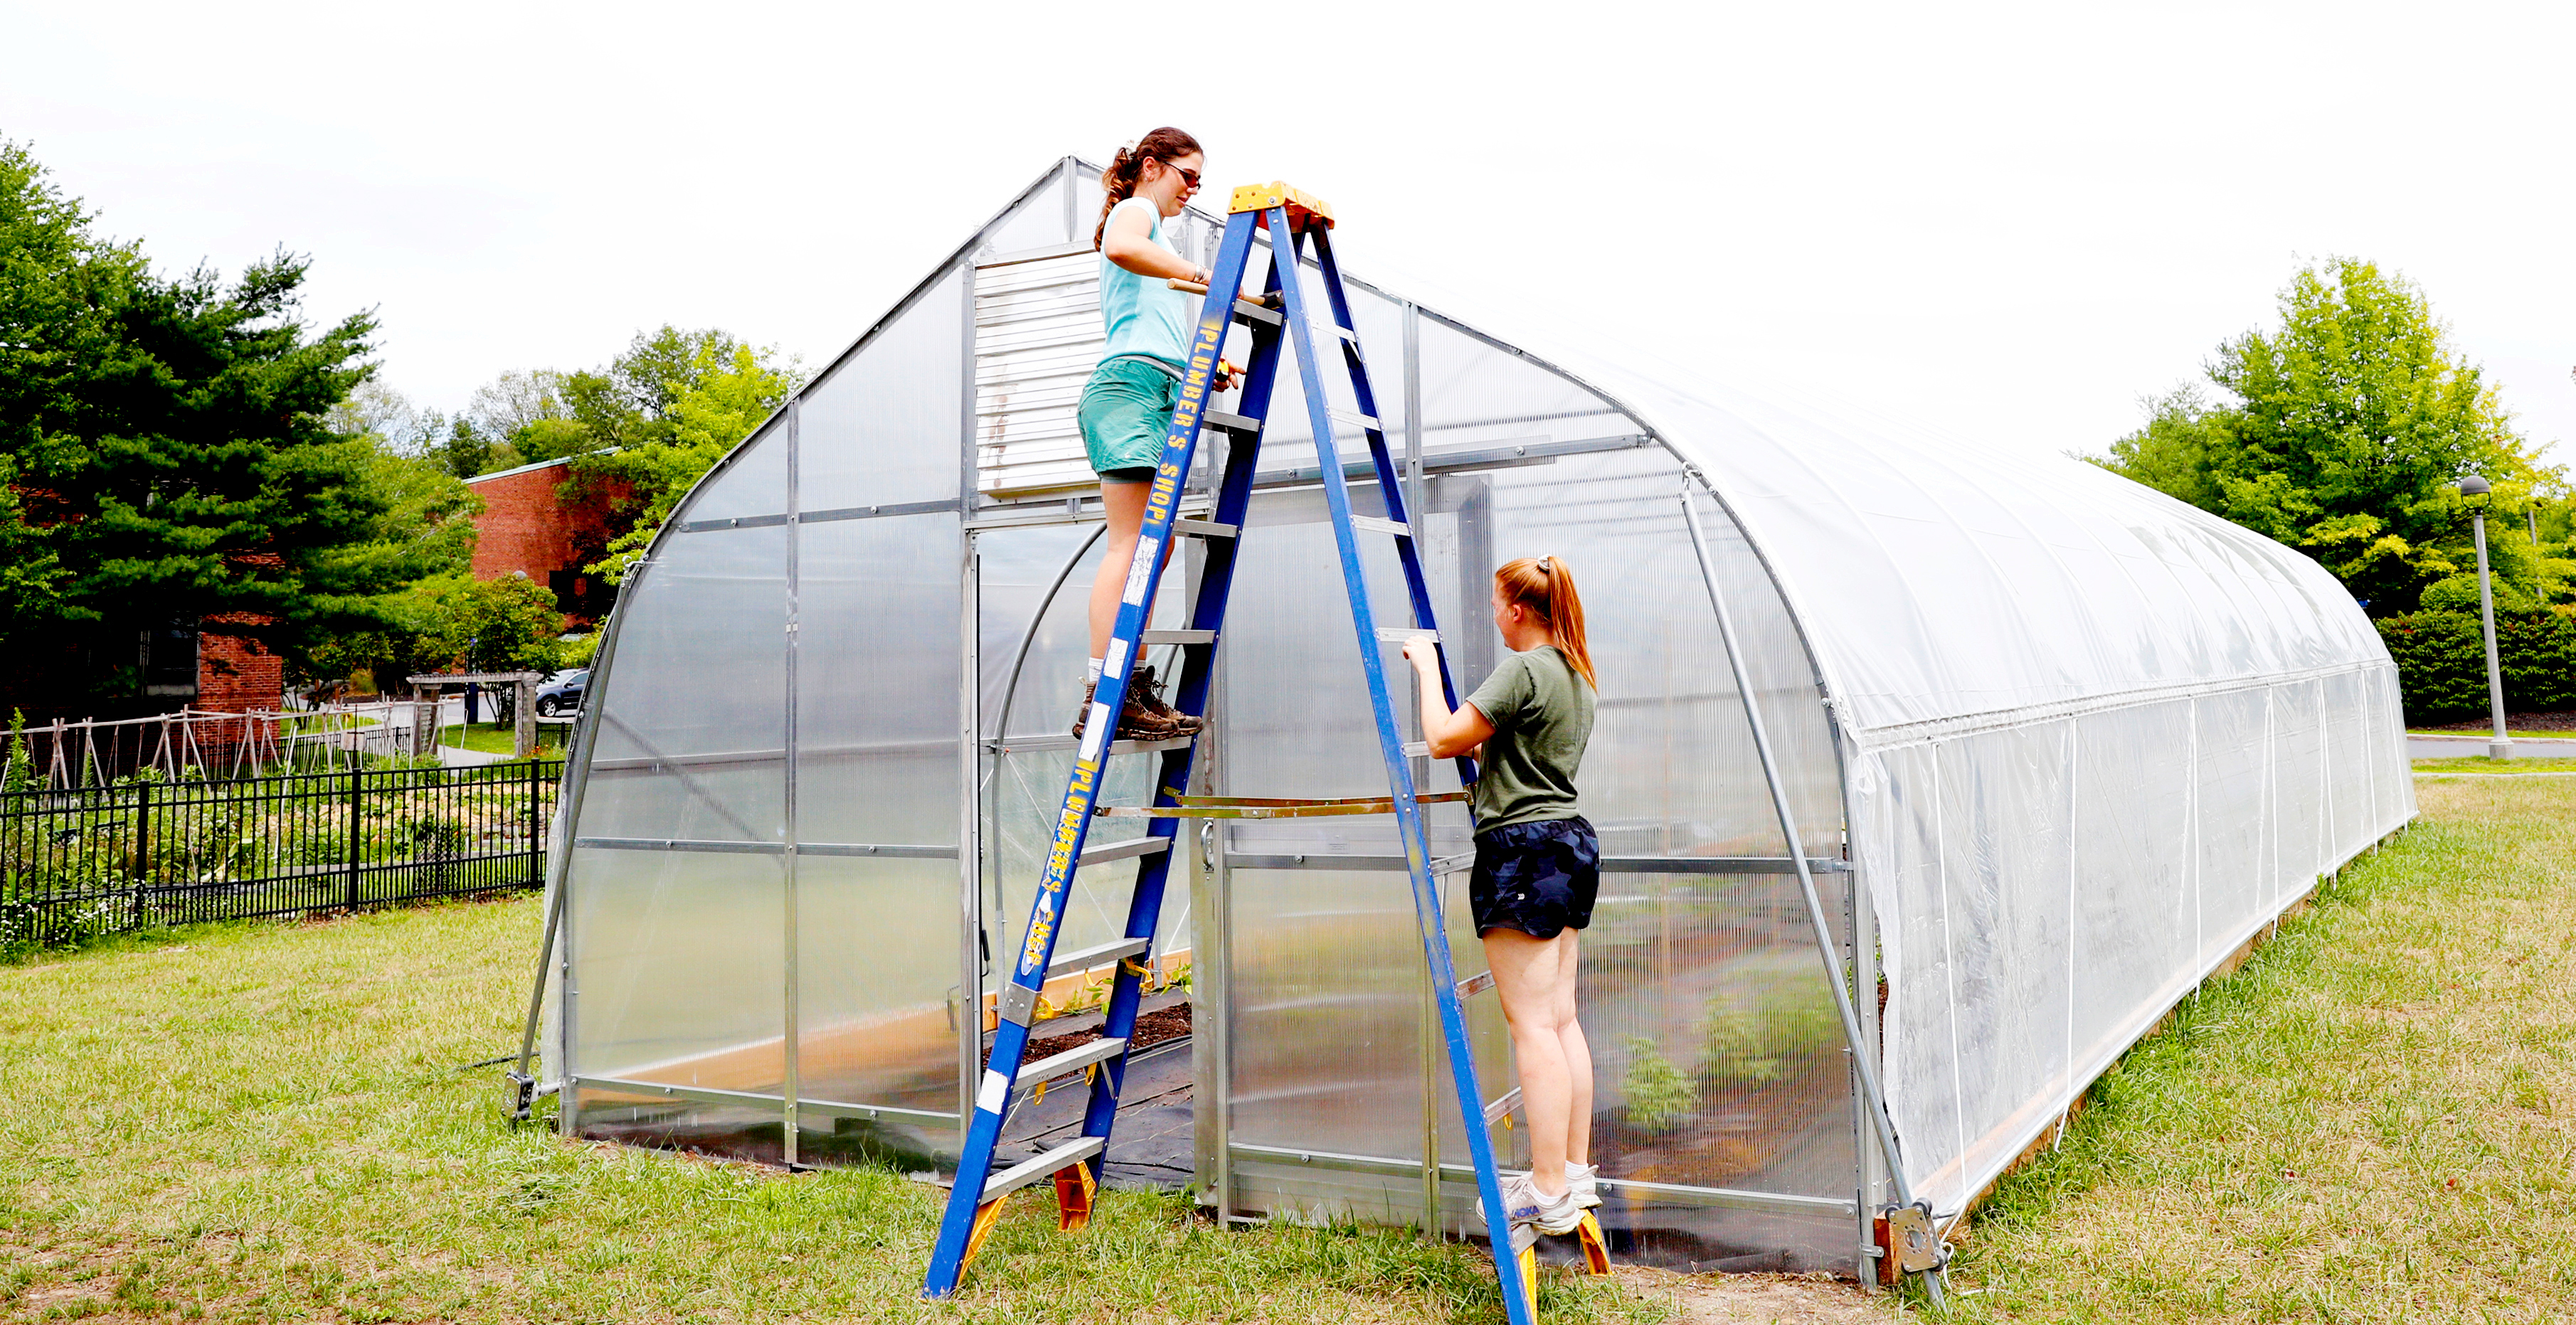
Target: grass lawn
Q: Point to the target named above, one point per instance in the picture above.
(2482, 764)
(495, 738)
(2374, 1119)
(267, 1122)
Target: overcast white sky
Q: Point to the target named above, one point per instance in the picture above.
(2003, 221)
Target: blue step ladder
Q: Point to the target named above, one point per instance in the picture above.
(1276, 320)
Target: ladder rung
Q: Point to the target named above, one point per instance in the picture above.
(1141, 846)
(1177, 637)
(1188, 528)
(1417, 749)
(1453, 864)
(1150, 747)
(1399, 634)
(1494, 1112)
(1020, 745)
(1346, 333)
(1250, 311)
(1052, 1162)
(1099, 956)
(1381, 525)
(1072, 1060)
(1236, 423)
(1472, 985)
(1367, 421)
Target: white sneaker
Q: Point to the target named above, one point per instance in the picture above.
(1583, 1182)
(1522, 1204)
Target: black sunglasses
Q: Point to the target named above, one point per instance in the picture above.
(1188, 176)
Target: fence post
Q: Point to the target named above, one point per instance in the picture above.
(536, 843)
(142, 848)
(354, 774)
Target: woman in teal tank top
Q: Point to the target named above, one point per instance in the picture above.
(1127, 405)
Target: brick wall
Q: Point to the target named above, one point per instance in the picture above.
(235, 674)
(525, 527)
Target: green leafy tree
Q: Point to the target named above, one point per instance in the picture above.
(2341, 433)
(723, 391)
(172, 452)
(505, 624)
(426, 528)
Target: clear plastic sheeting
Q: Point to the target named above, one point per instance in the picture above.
(2057, 747)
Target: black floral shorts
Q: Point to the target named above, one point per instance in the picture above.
(1540, 878)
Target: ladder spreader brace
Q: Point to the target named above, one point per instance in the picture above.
(1278, 317)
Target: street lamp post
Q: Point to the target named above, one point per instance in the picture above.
(2501, 745)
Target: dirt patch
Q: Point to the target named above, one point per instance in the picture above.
(1790, 1299)
(1152, 1028)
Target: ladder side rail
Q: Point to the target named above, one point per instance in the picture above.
(1145, 905)
(1073, 817)
(1233, 507)
(1408, 548)
(1428, 914)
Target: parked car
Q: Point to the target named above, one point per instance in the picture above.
(561, 692)
(556, 695)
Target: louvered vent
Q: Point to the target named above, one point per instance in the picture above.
(1037, 338)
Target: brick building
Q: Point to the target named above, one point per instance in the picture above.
(527, 526)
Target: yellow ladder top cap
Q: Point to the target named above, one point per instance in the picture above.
(1303, 208)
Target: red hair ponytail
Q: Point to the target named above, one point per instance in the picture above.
(1545, 588)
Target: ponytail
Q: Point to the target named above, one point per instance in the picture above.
(1127, 170)
(1544, 587)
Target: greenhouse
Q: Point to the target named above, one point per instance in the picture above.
(2059, 745)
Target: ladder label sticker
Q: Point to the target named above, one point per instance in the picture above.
(1140, 570)
(1116, 663)
(1094, 731)
(1041, 929)
(995, 1090)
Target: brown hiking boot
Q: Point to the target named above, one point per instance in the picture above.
(1151, 689)
(1135, 721)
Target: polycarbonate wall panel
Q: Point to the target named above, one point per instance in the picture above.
(877, 782)
(1024, 772)
(750, 482)
(2045, 893)
(1474, 395)
(692, 709)
(878, 674)
(1327, 1054)
(1045, 217)
(1711, 980)
(876, 964)
(888, 425)
(682, 976)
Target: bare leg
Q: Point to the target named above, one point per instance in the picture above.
(1578, 1059)
(1124, 503)
(1536, 980)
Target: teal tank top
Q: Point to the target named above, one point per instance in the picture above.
(1145, 316)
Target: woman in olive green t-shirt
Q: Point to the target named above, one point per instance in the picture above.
(1538, 864)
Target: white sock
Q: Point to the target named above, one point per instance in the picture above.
(1095, 672)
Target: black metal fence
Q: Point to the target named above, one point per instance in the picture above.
(98, 860)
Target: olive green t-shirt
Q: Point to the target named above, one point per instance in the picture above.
(1542, 716)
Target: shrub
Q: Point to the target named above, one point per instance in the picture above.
(1659, 1093)
(2442, 661)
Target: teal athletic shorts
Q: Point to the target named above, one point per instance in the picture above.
(1126, 408)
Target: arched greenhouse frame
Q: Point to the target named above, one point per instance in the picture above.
(2060, 746)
